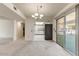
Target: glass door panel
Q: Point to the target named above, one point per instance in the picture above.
(60, 32)
(70, 32)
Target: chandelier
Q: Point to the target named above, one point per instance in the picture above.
(38, 15)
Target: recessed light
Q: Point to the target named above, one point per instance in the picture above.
(40, 23)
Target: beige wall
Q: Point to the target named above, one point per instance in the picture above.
(29, 29)
(6, 28)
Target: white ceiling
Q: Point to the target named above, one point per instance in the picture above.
(49, 9)
(7, 13)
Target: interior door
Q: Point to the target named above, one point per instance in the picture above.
(48, 31)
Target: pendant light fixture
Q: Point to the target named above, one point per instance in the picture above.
(37, 15)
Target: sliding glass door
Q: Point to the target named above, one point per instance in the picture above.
(60, 32)
(66, 32)
(70, 32)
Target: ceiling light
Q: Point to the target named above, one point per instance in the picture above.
(39, 22)
(41, 15)
(36, 14)
(33, 16)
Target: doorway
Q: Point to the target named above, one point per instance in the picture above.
(39, 31)
(23, 28)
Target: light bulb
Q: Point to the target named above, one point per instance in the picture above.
(33, 16)
(36, 14)
(41, 15)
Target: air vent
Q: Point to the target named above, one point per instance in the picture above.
(14, 8)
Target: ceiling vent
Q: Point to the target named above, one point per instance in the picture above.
(14, 8)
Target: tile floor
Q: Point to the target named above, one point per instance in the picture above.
(32, 48)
